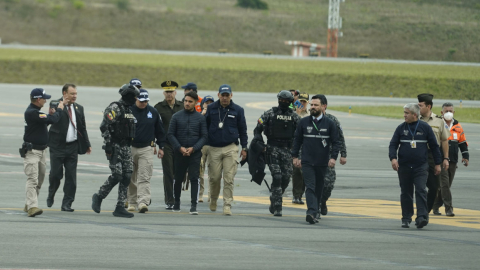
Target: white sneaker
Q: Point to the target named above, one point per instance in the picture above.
(131, 208)
(142, 208)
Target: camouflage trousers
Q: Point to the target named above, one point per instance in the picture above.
(330, 178)
(121, 165)
(280, 164)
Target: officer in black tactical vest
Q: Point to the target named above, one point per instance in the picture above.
(118, 131)
(279, 124)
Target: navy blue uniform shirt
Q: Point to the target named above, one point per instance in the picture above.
(414, 157)
(36, 123)
(311, 138)
(234, 125)
(149, 126)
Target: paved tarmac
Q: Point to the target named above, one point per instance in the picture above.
(361, 231)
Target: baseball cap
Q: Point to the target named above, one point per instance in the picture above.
(190, 85)
(143, 95)
(304, 96)
(136, 82)
(225, 88)
(39, 93)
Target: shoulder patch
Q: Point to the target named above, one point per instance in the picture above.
(110, 117)
(112, 114)
(260, 121)
(42, 115)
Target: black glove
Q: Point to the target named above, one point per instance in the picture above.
(108, 149)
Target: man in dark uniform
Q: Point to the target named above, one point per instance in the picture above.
(412, 137)
(149, 132)
(187, 134)
(64, 139)
(279, 124)
(118, 131)
(33, 149)
(166, 109)
(314, 135)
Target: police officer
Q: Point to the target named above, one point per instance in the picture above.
(33, 149)
(411, 163)
(136, 82)
(425, 102)
(331, 175)
(118, 131)
(279, 124)
(149, 132)
(314, 135)
(166, 108)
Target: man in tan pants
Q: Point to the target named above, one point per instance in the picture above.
(207, 100)
(33, 149)
(149, 127)
(226, 125)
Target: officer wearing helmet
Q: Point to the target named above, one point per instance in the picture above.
(118, 131)
(279, 125)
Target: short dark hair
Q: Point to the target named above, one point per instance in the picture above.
(66, 86)
(447, 104)
(323, 99)
(192, 94)
(429, 103)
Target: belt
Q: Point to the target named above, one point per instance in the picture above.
(70, 143)
(39, 147)
(279, 144)
(141, 145)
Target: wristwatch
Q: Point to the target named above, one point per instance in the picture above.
(244, 149)
(447, 158)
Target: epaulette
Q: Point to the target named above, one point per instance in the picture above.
(438, 116)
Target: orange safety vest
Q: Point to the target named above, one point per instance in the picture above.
(457, 133)
(198, 106)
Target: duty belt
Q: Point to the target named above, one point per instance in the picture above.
(279, 143)
(39, 147)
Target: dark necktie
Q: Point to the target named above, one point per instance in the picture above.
(315, 120)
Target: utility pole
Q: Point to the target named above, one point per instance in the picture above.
(334, 25)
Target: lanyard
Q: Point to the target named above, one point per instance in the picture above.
(413, 134)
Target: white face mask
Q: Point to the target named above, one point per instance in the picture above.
(448, 116)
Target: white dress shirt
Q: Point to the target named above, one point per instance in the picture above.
(72, 132)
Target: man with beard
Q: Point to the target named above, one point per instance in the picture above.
(118, 131)
(278, 124)
(315, 134)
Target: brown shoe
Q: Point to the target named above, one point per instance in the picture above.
(213, 205)
(34, 211)
(25, 209)
(227, 211)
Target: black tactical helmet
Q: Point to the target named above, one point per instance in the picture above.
(127, 89)
(285, 94)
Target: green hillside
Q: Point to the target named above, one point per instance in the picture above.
(408, 29)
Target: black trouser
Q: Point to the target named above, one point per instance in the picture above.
(182, 164)
(433, 182)
(168, 169)
(314, 178)
(409, 179)
(297, 182)
(65, 157)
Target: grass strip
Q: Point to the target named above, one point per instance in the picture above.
(463, 115)
(244, 74)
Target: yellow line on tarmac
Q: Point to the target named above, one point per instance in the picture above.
(464, 218)
(11, 114)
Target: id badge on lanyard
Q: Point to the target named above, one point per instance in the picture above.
(413, 144)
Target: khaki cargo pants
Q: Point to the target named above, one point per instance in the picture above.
(203, 162)
(139, 188)
(222, 160)
(34, 165)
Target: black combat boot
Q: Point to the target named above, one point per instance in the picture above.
(323, 208)
(277, 201)
(121, 212)
(96, 203)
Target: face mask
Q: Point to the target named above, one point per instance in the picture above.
(283, 105)
(448, 116)
(129, 99)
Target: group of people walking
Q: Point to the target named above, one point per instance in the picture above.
(189, 135)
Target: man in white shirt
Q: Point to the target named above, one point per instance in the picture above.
(66, 139)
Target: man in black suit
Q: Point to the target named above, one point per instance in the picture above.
(67, 138)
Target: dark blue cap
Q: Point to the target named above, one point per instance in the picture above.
(225, 88)
(190, 85)
(143, 95)
(208, 98)
(39, 93)
(136, 82)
